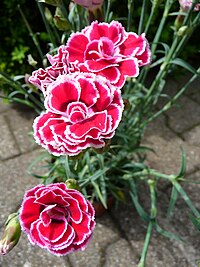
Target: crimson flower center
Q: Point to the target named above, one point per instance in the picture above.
(77, 112)
(54, 213)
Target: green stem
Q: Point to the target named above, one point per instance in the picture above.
(41, 9)
(65, 14)
(161, 26)
(191, 29)
(156, 39)
(173, 100)
(142, 16)
(161, 74)
(150, 225)
(146, 244)
(173, 180)
(34, 37)
(130, 3)
(185, 197)
(107, 11)
(153, 9)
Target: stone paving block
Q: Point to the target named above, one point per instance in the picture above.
(167, 147)
(21, 121)
(162, 250)
(184, 116)
(105, 233)
(8, 145)
(170, 89)
(14, 180)
(192, 136)
(120, 254)
(3, 106)
(194, 90)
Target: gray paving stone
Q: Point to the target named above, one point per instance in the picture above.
(192, 136)
(120, 254)
(162, 251)
(167, 156)
(167, 147)
(14, 181)
(105, 233)
(21, 121)
(8, 145)
(185, 115)
(3, 106)
(194, 90)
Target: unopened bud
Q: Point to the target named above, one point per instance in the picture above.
(72, 184)
(182, 31)
(11, 234)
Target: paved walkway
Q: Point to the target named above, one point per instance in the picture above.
(119, 234)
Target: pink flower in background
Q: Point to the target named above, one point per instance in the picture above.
(108, 50)
(83, 110)
(56, 218)
(59, 65)
(186, 5)
(89, 4)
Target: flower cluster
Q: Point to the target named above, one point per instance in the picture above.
(82, 87)
(83, 108)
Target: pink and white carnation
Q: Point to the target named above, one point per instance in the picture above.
(186, 5)
(108, 50)
(83, 110)
(60, 65)
(56, 218)
(89, 4)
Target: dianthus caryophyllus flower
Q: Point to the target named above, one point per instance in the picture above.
(89, 4)
(60, 64)
(186, 5)
(108, 50)
(56, 218)
(83, 110)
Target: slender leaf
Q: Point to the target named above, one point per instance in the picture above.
(195, 221)
(99, 194)
(168, 234)
(139, 208)
(172, 202)
(183, 163)
(182, 63)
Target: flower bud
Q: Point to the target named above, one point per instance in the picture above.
(11, 234)
(182, 31)
(72, 184)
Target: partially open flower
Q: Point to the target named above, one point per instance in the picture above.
(108, 50)
(56, 218)
(83, 110)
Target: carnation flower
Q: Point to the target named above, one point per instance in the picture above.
(108, 50)
(56, 218)
(186, 5)
(83, 110)
(89, 4)
(60, 64)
